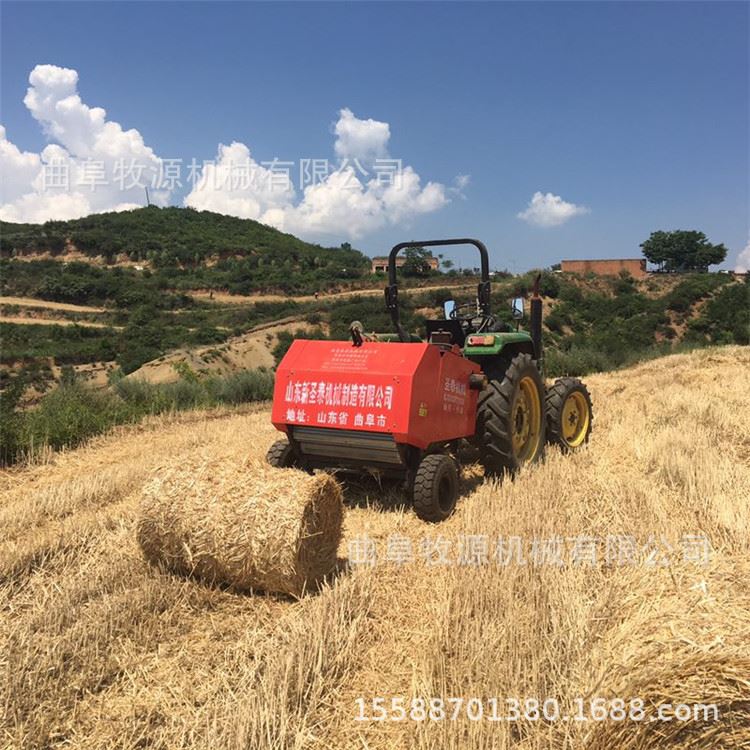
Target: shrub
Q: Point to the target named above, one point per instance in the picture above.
(72, 412)
(692, 289)
(554, 322)
(438, 297)
(69, 415)
(285, 339)
(549, 285)
(242, 387)
(577, 361)
(11, 439)
(725, 318)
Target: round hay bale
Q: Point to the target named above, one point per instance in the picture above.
(684, 638)
(243, 524)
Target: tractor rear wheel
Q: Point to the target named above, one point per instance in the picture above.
(435, 487)
(510, 417)
(281, 455)
(569, 414)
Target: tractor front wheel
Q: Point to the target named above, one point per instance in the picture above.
(436, 487)
(281, 455)
(569, 414)
(510, 417)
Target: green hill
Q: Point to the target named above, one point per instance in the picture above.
(190, 249)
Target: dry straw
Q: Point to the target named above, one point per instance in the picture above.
(683, 639)
(242, 523)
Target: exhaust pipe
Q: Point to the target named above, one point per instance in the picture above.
(536, 324)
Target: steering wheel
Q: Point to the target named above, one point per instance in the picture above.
(469, 307)
(470, 318)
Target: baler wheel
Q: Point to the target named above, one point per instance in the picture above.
(281, 455)
(510, 417)
(569, 414)
(436, 487)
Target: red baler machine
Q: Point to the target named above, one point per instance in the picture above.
(398, 408)
(401, 406)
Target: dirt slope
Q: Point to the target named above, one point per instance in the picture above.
(98, 650)
(245, 352)
(223, 298)
(21, 320)
(46, 304)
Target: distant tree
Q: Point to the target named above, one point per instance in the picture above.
(447, 264)
(682, 250)
(416, 261)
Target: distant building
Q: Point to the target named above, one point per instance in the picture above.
(381, 264)
(636, 267)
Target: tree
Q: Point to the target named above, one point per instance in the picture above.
(416, 261)
(682, 250)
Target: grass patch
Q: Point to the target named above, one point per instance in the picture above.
(72, 413)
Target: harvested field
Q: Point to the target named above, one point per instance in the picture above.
(98, 649)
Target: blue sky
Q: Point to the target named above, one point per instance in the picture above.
(635, 114)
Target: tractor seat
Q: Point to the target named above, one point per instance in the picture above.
(437, 330)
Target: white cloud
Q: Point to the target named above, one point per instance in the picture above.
(349, 201)
(87, 147)
(18, 169)
(364, 140)
(462, 181)
(743, 260)
(548, 210)
(237, 185)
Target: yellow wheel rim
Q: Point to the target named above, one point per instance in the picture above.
(575, 419)
(526, 421)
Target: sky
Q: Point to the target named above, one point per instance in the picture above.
(548, 130)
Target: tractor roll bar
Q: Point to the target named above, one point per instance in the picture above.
(391, 291)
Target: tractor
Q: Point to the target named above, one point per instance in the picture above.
(404, 407)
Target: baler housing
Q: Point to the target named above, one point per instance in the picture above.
(339, 401)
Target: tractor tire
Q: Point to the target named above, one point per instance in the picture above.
(569, 414)
(435, 487)
(281, 455)
(510, 418)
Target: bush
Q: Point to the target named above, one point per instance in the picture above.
(725, 318)
(692, 289)
(242, 387)
(577, 361)
(438, 297)
(72, 413)
(555, 322)
(11, 439)
(285, 339)
(549, 285)
(69, 415)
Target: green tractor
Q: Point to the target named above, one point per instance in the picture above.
(516, 414)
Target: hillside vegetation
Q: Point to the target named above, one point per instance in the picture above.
(100, 650)
(204, 354)
(188, 249)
